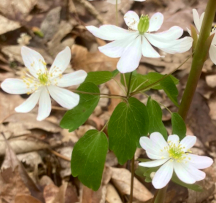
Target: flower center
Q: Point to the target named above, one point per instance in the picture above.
(43, 78)
(143, 25)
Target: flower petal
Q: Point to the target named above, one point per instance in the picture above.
(113, 1)
(44, 105)
(131, 56)
(70, 79)
(183, 174)
(179, 46)
(60, 63)
(153, 149)
(155, 22)
(132, 20)
(30, 103)
(33, 61)
(153, 163)
(212, 53)
(172, 47)
(163, 175)
(157, 138)
(197, 20)
(63, 97)
(116, 48)
(195, 173)
(200, 162)
(188, 142)
(148, 50)
(109, 32)
(174, 139)
(173, 33)
(14, 86)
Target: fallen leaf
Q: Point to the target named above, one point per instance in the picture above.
(121, 179)
(112, 195)
(7, 25)
(26, 199)
(211, 80)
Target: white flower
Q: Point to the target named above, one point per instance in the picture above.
(41, 83)
(173, 156)
(198, 23)
(131, 44)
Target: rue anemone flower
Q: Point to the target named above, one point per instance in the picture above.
(131, 44)
(41, 83)
(173, 155)
(198, 23)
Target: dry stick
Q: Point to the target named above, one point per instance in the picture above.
(196, 69)
(59, 155)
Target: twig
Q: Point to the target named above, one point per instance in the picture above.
(59, 155)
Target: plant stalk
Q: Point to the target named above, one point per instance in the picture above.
(198, 59)
(132, 180)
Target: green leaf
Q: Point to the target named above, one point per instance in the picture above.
(88, 158)
(168, 84)
(78, 115)
(99, 77)
(195, 187)
(115, 73)
(155, 113)
(127, 124)
(178, 125)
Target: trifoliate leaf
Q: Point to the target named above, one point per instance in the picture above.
(88, 158)
(99, 77)
(178, 125)
(78, 115)
(127, 124)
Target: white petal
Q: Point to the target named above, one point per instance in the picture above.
(173, 33)
(183, 174)
(131, 56)
(179, 46)
(44, 105)
(212, 53)
(153, 149)
(195, 173)
(157, 138)
(214, 38)
(197, 20)
(188, 142)
(60, 63)
(14, 86)
(116, 48)
(200, 162)
(109, 32)
(174, 139)
(155, 22)
(153, 163)
(163, 175)
(70, 79)
(63, 97)
(132, 20)
(148, 50)
(30, 103)
(33, 61)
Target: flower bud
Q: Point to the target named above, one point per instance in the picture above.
(143, 25)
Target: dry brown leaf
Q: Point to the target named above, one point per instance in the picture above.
(26, 199)
(121, 179)
(112, 195)
(82, 59)
(11, 185)
(90, 196)
(53, 194)
(211, 80)
(7, 25)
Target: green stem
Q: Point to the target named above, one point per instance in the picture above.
(129, 83)
(198, 59)
(132, 180)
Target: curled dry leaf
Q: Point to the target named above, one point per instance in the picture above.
(11, 185)
(112, 195)
(121, 179)
(26, 199)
